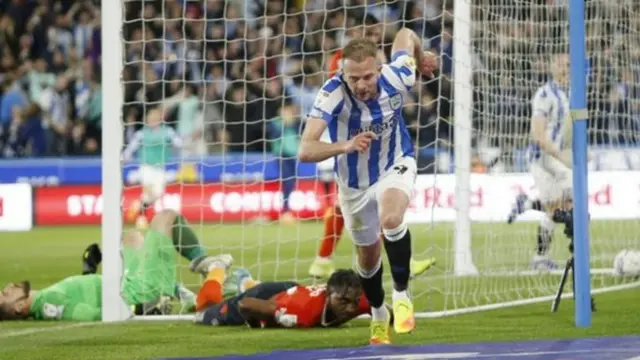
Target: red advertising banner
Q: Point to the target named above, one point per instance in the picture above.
(71, 205)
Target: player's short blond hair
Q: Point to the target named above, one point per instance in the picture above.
(359, 50)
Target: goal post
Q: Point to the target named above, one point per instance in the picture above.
(113, 308)
(579, 115)
(499, 55)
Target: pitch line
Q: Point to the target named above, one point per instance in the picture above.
(38, 330)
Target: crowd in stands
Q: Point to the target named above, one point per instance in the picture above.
(223, 69)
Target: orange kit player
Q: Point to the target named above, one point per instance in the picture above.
(322, 267)
(277, 304)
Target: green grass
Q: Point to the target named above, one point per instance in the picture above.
(46, 255)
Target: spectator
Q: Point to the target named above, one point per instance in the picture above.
(284, 137)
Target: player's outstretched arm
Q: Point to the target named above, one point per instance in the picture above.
(256, 311)
(314, 150)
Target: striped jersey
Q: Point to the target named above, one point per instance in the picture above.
(347, 117)
(552, 103)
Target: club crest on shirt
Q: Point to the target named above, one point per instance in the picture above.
(395, 101)
(411, 63)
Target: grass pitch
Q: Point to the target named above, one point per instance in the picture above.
(46, 255)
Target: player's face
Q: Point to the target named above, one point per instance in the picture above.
(13, 295)
(344, 304)
(153, 118)
(362, 77)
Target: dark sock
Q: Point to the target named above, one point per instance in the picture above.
(372, 286)
(544, 240)
(143, 208)
(399, 254)
(536, 205)
(185, 240)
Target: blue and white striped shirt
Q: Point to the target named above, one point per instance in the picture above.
(347, 117)
(552, 103)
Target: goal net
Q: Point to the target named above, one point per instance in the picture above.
(225, 74)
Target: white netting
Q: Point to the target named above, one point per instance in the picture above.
(514, 43)
(224, 70)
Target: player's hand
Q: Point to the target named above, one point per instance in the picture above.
(428, 63)
(361, 142)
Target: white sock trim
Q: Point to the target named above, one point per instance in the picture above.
(397, 233)
(368, 274)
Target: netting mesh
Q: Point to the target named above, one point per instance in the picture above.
(223, 70)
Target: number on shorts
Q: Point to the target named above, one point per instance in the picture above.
(400, 169)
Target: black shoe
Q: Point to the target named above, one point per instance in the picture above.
(91, 258)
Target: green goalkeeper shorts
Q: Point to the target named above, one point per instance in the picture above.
(149, 271)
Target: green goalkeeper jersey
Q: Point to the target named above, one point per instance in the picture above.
(154, 146)
(76, 298)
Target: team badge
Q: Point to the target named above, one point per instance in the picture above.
(411, 63)
(395, 101)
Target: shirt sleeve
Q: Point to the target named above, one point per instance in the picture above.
(175, 139)
(133, 146)
(328, 102)
(404, 67)
(293, 308)
(541, 104)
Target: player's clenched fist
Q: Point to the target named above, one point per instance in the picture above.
(361, 142)
(428, 63)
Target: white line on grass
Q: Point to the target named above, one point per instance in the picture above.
(38, 330)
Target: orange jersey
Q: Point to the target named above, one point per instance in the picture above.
(305, 307)
(335, 62)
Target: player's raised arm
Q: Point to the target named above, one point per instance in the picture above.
(407, 42)
(542, 105)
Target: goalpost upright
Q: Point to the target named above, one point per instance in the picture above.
(579, 114)
(113, 308)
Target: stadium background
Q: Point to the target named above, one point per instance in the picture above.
(225, 71)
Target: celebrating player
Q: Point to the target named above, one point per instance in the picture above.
(153, 145)
(278, 304)
(323, 266)
(551, 154)
(149, 277)
(362, 107)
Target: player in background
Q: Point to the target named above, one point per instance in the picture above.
(277, 304)
(148, 283)
(153, 145)
(376, 168)
(551, 165)
(323, 265)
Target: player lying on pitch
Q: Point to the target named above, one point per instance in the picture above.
(278, 304)
(148, 283)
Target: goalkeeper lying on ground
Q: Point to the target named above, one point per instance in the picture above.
(148, 283)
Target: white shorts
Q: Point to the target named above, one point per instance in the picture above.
(553, 179)
(326, 170)
(153, 180)
(360, 210)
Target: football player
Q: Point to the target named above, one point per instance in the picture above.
(278, 304)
